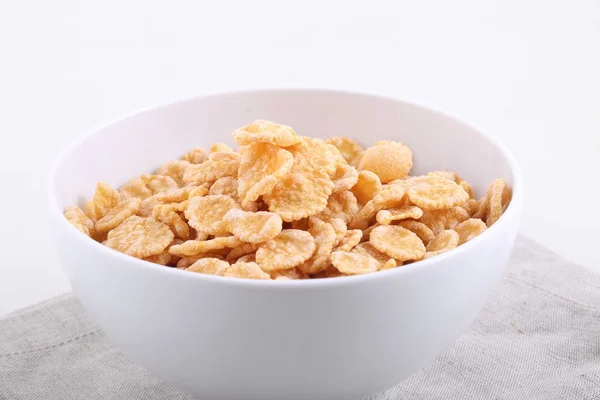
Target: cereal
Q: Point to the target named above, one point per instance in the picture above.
(210, 171)
(419, 229)
(340, 228)
(397, 242)
(195, 156)
(79, 220)
(433, 192)
(289, 249)
(368, 250)
(206, 213)
(386, 217)
(391, 197)
(210, 266)
(193, 247)
(140, 237)
(262, 166)
(347, 147)
(353, 263)
(241, 251)
(344, 177)
(438, 220)
(388, 160)
(342, 205)
(186, 261)
(174, 170)
(287, 207)
(104, 199)
(498, 195)
(468, 229)
(444, 241)
(350, 240)
(324, 236)
(367, 187)
(146, 186)
(289, 274)
(249, 270)
(299, 196)
(227, 186)
(167, 214)
(262, 131)
(118, 214)
(252, 227)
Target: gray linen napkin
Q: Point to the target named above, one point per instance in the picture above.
(537, 338)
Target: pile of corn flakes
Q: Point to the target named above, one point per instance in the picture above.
(289, 207)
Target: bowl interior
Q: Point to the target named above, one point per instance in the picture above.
(140, 142)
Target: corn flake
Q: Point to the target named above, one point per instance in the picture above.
(439, 220)
(209, 266)
(354, 263)
(344, 177)
(167, 213)
(206, 214)
(347, 147)
(498, 196)
(388, 160)
(444, 241)
(195, 156)
(324, 237)
(79, 220)
(118, 214)
(391, 197)
(433, 192)
(252, 227)
(193, 247)
(397, 242)
(342, 205)
(174, 170)
(104, 199)
(367, 187)
(249, 270)
(386, 217)
(147, 185)
(419, 229)
(140, 237)
(289, 249)
(469, 229)
(350, 240)
(262, 131)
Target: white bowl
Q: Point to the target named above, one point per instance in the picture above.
(227, 338)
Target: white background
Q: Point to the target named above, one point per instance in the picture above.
(528, 70)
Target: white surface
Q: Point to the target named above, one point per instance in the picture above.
(526, 70)
(190, 328)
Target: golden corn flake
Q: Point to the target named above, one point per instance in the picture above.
(147, 185)
(118, 214)
(227, 186)
(324, 236)
(164, 258)
(249, 270)
(210, 171)
(338, 158)
(389, 264)
(467, 188)
(471, 206)
(193, 247)
(350, 240)
(252, 227)
(79, 220)
(347, 147)
(247, 258)
(344, 177)
(340, 228)
(289, 274)
(209, 266)
(174, 170)
(195, 156)
(104, 199)
(368, 250)
(342, 205)
(367, 187)
(435, 193)
(397, 242)
(167, 213)
(140, 237)
(386, 217)
(439, 220)
(388, 160)
(206, 214)
(354, 263)
(186, 261)
(356, 160)
(499, 196)
(418, 228)
(262, 166)
(468, 229)
(312, 155)
(391, 197)
(262, 131)
(299, 196)
(444, 241)
(289, 249)
(242, 250)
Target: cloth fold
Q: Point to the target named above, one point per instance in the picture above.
(538, 338)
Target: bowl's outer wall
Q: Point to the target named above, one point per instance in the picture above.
(244, 340)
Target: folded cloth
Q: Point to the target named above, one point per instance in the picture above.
(538, 337)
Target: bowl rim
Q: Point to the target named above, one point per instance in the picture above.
(513, 208)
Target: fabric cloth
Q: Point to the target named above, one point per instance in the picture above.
(538, 338)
